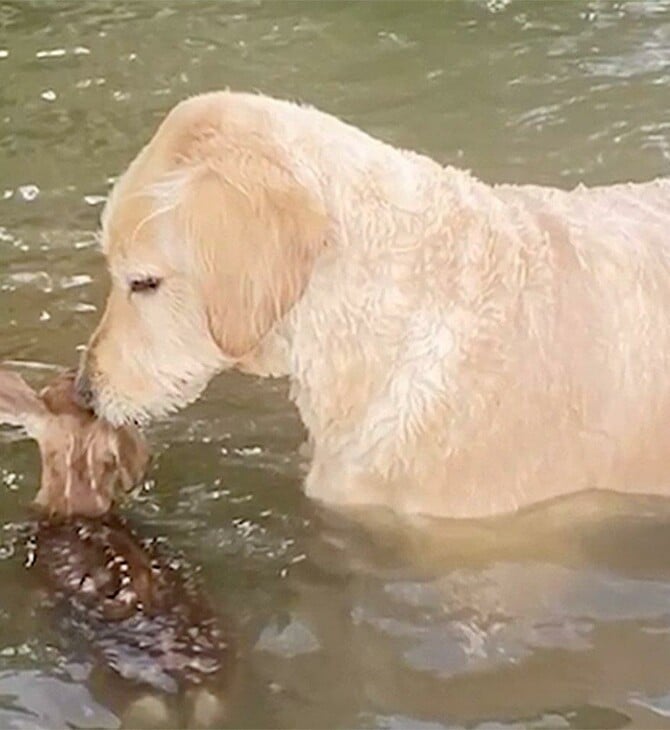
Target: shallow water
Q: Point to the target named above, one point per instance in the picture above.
(559, 618)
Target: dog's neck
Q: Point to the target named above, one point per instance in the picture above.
(357, 174)
(350, 179)
(380, 201)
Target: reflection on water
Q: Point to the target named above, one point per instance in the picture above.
(557, 618)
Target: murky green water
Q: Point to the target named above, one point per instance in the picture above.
(542, 621)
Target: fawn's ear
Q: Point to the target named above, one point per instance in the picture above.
(115, 456)
(19, 403)
(131, 455)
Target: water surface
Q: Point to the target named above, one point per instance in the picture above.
(560, 618)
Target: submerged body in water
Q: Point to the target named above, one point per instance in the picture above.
(138, 606)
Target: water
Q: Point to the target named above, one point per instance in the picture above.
(559, 618)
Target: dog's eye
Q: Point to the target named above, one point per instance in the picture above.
(145, 283)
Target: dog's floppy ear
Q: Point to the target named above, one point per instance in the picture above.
(256, 239)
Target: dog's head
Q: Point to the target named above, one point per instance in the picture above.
(209, 240)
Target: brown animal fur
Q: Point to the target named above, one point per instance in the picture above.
(83, 458)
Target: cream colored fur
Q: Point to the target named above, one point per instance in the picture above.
(454, 348)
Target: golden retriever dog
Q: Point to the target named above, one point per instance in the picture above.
(454, 348)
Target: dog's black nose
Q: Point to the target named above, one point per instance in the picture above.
(83, 392)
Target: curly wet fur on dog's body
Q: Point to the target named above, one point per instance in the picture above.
(454, 348)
